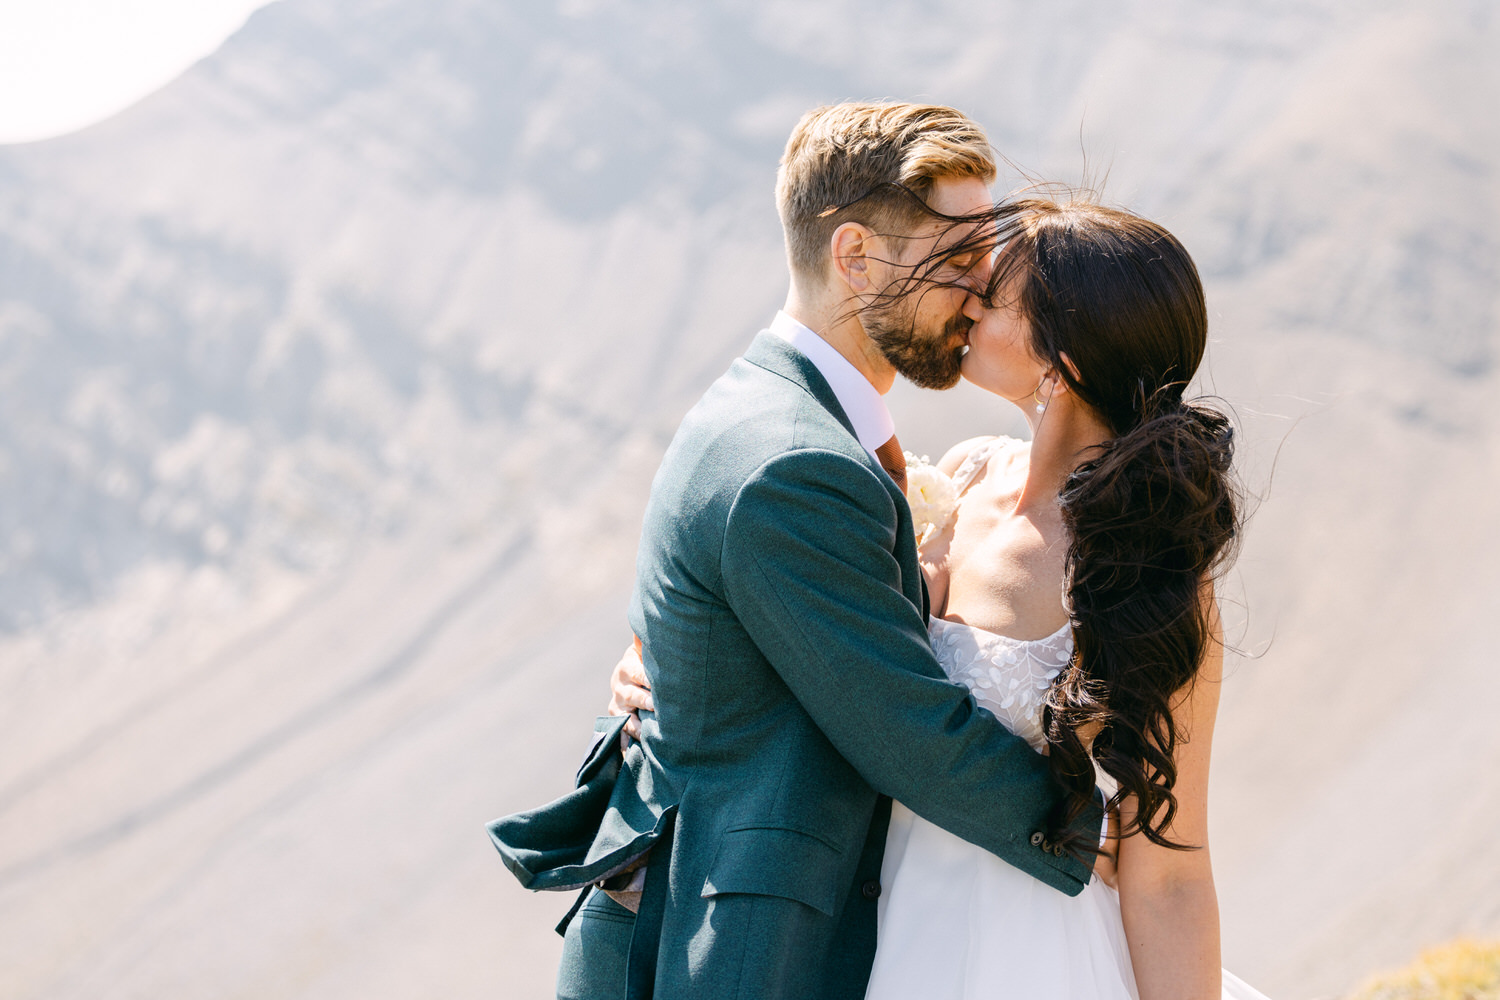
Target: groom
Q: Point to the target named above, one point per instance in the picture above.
(784, 619)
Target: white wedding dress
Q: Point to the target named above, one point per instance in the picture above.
(956, 922)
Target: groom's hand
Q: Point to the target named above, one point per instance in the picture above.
(630, 692)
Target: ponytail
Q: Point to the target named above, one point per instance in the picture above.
(1150, 516)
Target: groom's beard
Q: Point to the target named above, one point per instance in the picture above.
(933, 362)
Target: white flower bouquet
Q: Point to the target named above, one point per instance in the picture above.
(932, 496)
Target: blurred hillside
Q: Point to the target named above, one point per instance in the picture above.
(334, 375)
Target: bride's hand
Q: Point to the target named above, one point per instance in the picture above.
(932, 556)
(630, 692)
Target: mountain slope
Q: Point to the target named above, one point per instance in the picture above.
(334, 375)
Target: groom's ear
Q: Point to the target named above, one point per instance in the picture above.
(850, 246)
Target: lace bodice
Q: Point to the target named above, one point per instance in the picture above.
(1010, 677)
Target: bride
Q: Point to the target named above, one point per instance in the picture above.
(1072, 592)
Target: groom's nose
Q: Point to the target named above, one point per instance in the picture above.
(973, 307)
(977, 278)
(979, 274)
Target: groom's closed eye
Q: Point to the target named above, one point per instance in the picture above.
(965, 266)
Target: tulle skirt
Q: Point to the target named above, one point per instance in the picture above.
(957, 923)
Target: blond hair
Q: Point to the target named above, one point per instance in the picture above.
(870, 163)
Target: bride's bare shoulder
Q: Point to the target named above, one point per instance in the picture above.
(956, 455)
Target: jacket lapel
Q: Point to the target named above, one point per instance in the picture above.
(770, 352)
(775, 355)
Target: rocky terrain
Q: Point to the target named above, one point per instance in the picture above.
(334, 374)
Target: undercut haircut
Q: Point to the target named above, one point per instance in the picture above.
(870, 163)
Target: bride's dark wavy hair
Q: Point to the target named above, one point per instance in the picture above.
(1116, 309)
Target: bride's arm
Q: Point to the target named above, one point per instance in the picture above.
(1167, 897)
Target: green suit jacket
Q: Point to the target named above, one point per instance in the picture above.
(782, 611)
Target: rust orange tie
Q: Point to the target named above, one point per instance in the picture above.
(892, 460)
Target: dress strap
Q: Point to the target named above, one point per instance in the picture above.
(974, 463)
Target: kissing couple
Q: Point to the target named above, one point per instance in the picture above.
(974, 767)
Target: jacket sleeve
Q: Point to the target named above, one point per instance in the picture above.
(809, 571)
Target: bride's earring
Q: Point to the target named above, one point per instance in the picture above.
(1036, 394)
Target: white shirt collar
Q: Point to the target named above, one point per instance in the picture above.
(862, 404)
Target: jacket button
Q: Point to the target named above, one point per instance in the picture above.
(1057, 850)
(870, 890)
(1036, 839)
